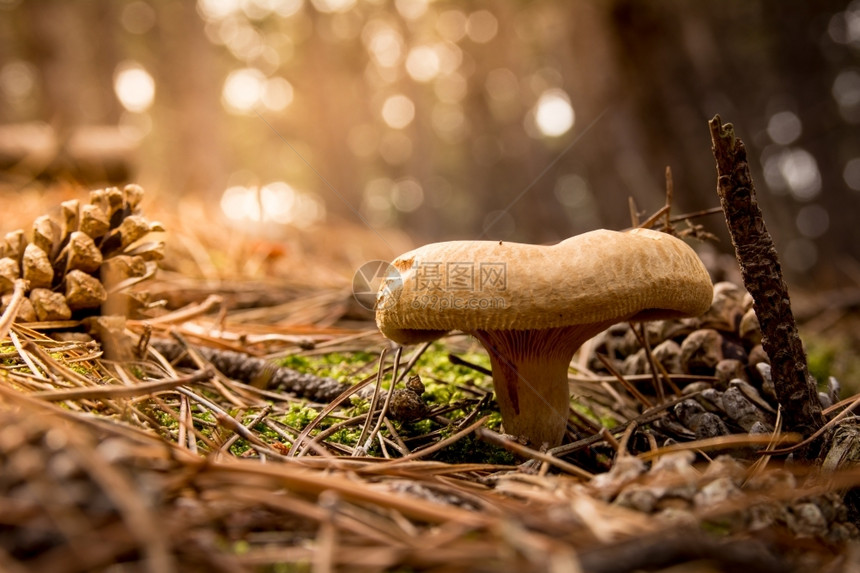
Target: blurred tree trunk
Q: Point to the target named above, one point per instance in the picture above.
(679, 63)
(189, 130)
(77, 80)
(804, 66)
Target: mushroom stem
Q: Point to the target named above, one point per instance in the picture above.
(530, 378)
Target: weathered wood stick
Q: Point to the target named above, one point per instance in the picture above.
(795, 388)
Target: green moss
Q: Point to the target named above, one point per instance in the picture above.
(359, 406)
(418, 428)
(445, 384)
(299, 416)
(349, 437)
(239, 447)
(494, 422)
(164, 419)
(206, 416)
(337, 365)
(264, 431)
(81, 369)
(296, 362)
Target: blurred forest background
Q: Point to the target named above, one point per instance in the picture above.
(527, 121)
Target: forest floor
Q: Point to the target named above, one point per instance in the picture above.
(244, 421)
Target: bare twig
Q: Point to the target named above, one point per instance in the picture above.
(11, 312)
(103, 392)
(756, 254)
(519, 449)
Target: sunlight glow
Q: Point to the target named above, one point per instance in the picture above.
(398, 111)
(17, 79)
(411, 9)
(451, 25)
(407, 195)
(243, 89)
(482, 26)
(422, 63)
(134, 87)
(277, 94)
(844, 27)
(218, 9)
(846, 92)
(376, 202)
(784, 127)
(384, 43)
(851, 173)
(138, 17)
(794, 170)
(332, 6)
(247, 89)
(553, 114)
(276, 202)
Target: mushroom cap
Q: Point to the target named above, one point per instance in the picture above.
(595, 277)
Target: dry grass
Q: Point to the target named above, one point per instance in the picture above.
(172, 465)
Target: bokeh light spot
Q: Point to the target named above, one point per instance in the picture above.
(218, 9)
(243, 89)
(276, 202)
(137, 17)
(553, 114)
(451, 25)
(384, 43)
(134, 87)
(422, 63)
(794, 170)
(277, 94)
(482, 26)
(407, 195)
(17, 79)
(851, 174)
(846, 92)
(572, 191)
(332, 6)
(411, 9)
(398, 111)
(784, 127)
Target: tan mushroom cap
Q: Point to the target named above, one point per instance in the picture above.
(590, 278)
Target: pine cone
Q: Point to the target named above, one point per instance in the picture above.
(82, 264)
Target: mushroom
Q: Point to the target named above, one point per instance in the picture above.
(532, 307)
